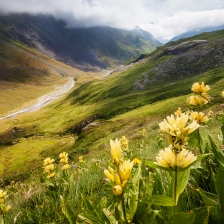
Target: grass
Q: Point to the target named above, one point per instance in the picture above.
(111, 102)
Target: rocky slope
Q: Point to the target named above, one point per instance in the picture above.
(183, 60)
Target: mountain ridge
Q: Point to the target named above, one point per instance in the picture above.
(83, 48)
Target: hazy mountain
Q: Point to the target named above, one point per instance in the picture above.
(84, 48)
(196, 32)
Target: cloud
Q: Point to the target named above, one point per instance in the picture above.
(163, 18)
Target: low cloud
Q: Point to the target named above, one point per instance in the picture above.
(163, 18)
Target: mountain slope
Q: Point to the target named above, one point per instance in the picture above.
(25, 75)
(96, 111)
(83, 48)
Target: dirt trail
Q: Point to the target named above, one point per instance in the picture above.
(45, 99)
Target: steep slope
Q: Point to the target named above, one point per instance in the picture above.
(84, 48)
(25, 75)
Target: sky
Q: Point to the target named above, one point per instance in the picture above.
(164, 19)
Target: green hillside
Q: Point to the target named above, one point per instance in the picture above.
(127, 93)
(132, 99)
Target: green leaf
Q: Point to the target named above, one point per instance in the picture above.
(210, 199)
(91, 209)
(68, 212)
(132, 195)
(1, 219)
(158, 200)
(195, 139)
(182, 180)
(109, 216)
(90, 219)
(202, 215)
(183, 218)
(222, 130)
(219, 184)
(219, 155)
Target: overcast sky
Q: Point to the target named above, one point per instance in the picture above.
(164, 19)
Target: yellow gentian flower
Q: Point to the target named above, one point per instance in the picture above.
(196, 100)
(169, 159)
(115, 151)
(124, 143)
(166, 158)
(125, 170)
(199, 117)
(109, 175)
(136, 161)
(178, 112)
(51, 175)
(185, 158)
(48, 161)
(178, 129)
(65, 167)
(117, 190)
(2, 193)
(49, 168)
(197, 88)
(63, 155)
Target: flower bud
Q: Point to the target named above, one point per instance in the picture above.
(117, 190)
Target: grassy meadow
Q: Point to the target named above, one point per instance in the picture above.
(82, 123)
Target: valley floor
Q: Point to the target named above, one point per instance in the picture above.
(45, 99)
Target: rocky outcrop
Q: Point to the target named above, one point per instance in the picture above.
(185, 60)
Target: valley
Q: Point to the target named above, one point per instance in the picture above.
(52, 104)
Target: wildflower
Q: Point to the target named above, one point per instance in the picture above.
(65, 167)
(196, 100)
(185, 158)
(2, 193)
(109, 175)
(63, 157)
(199, 117)
(223, 93)
(124, 143)
(210, 113)
(168, 158)
(49, 167)
(200, 89)
(51, 175)
(3, 207)
(143, 132)
(48, 161)
(177, 129)
(178, 112)
(136, 161)
(80, 159)
(125, 170)
(160, 139)
(115, 151)
(120, 176)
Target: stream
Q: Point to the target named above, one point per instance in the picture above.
(45, 99)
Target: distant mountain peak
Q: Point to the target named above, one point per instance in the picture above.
(196, 31)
